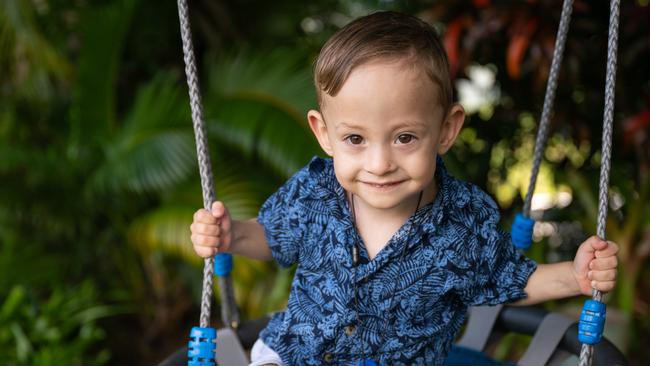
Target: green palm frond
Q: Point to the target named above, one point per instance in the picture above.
(158, 162)
(152, 152)
(280, 77)
(257, 104)
(102, 33)
(166, 228)
(268, 135)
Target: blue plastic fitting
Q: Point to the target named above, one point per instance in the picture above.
(222, 264)
(522, 232)
(201, 347)
(592, 322)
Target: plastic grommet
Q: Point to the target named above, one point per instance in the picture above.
(201, 347)
(592, 322)
(522, 232)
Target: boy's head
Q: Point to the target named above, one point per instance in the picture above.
(386, 36)
(386, 108)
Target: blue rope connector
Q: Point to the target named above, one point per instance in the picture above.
(592, 322)
(201, 347)
(522, 232)
(222, 264)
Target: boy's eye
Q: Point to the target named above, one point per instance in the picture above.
(354, 139)
(405, 138)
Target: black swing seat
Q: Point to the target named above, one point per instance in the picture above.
(554, 339)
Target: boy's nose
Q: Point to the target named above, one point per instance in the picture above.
(379, 160)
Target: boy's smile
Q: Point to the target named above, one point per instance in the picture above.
(384, 129)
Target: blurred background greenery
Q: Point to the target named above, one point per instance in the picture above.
(98, 175)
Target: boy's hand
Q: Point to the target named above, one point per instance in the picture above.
(594, 266)
(211, 230)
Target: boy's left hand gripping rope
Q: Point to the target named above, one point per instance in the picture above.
(201, 347)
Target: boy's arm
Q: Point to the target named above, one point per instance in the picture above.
(550, 281)
(249, 240)
(594, 266)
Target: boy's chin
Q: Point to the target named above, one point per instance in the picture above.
(382, 201)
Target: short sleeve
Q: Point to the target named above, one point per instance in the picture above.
(501, 273)
(280, 217)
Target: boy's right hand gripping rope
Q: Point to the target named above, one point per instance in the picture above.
(522, 232)
(201, 347)
(592, 322)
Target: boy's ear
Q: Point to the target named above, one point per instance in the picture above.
(451, 127)
(319, 128)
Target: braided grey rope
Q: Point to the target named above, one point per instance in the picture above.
(549, 97)
(229, 314)
(586, 353)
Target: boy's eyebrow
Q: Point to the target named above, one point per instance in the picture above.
(412, 123)
(348, 125)
(407, 123)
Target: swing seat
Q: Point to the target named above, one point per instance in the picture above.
(554, 339)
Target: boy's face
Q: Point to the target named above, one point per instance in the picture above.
(384, 130)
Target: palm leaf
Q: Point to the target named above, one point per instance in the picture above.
(279, 77)
(258, 104)
(151, 152)
(166, 228)
(102, 39)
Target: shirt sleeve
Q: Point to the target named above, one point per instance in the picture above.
(501, 273)
(280, 217)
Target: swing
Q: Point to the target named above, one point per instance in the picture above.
(554, 336)
(554, 339)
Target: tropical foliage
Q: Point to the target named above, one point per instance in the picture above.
(98, 164)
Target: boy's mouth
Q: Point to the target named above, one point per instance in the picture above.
(383, 185)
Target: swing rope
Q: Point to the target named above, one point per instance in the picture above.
(593, 314)
(202, 345)
(522, 228)
(202, 150)
(592, 319)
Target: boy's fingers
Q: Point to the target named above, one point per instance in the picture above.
(204, 216)
(596, 244)
(610, 250)
(218, 209)
(603, 263)
(204, 241)
(204, 229)
(609, 275)
(205, 252)
(604, 286)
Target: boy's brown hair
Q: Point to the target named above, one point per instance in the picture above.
(387, 35)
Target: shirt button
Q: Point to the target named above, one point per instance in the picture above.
(328, 357)
(349, 330)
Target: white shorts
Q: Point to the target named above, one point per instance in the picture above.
(261, 354)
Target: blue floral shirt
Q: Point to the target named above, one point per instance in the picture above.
(409, 308)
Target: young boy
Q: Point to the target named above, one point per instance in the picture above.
(391, 249)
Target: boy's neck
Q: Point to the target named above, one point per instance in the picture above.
(377, 226)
